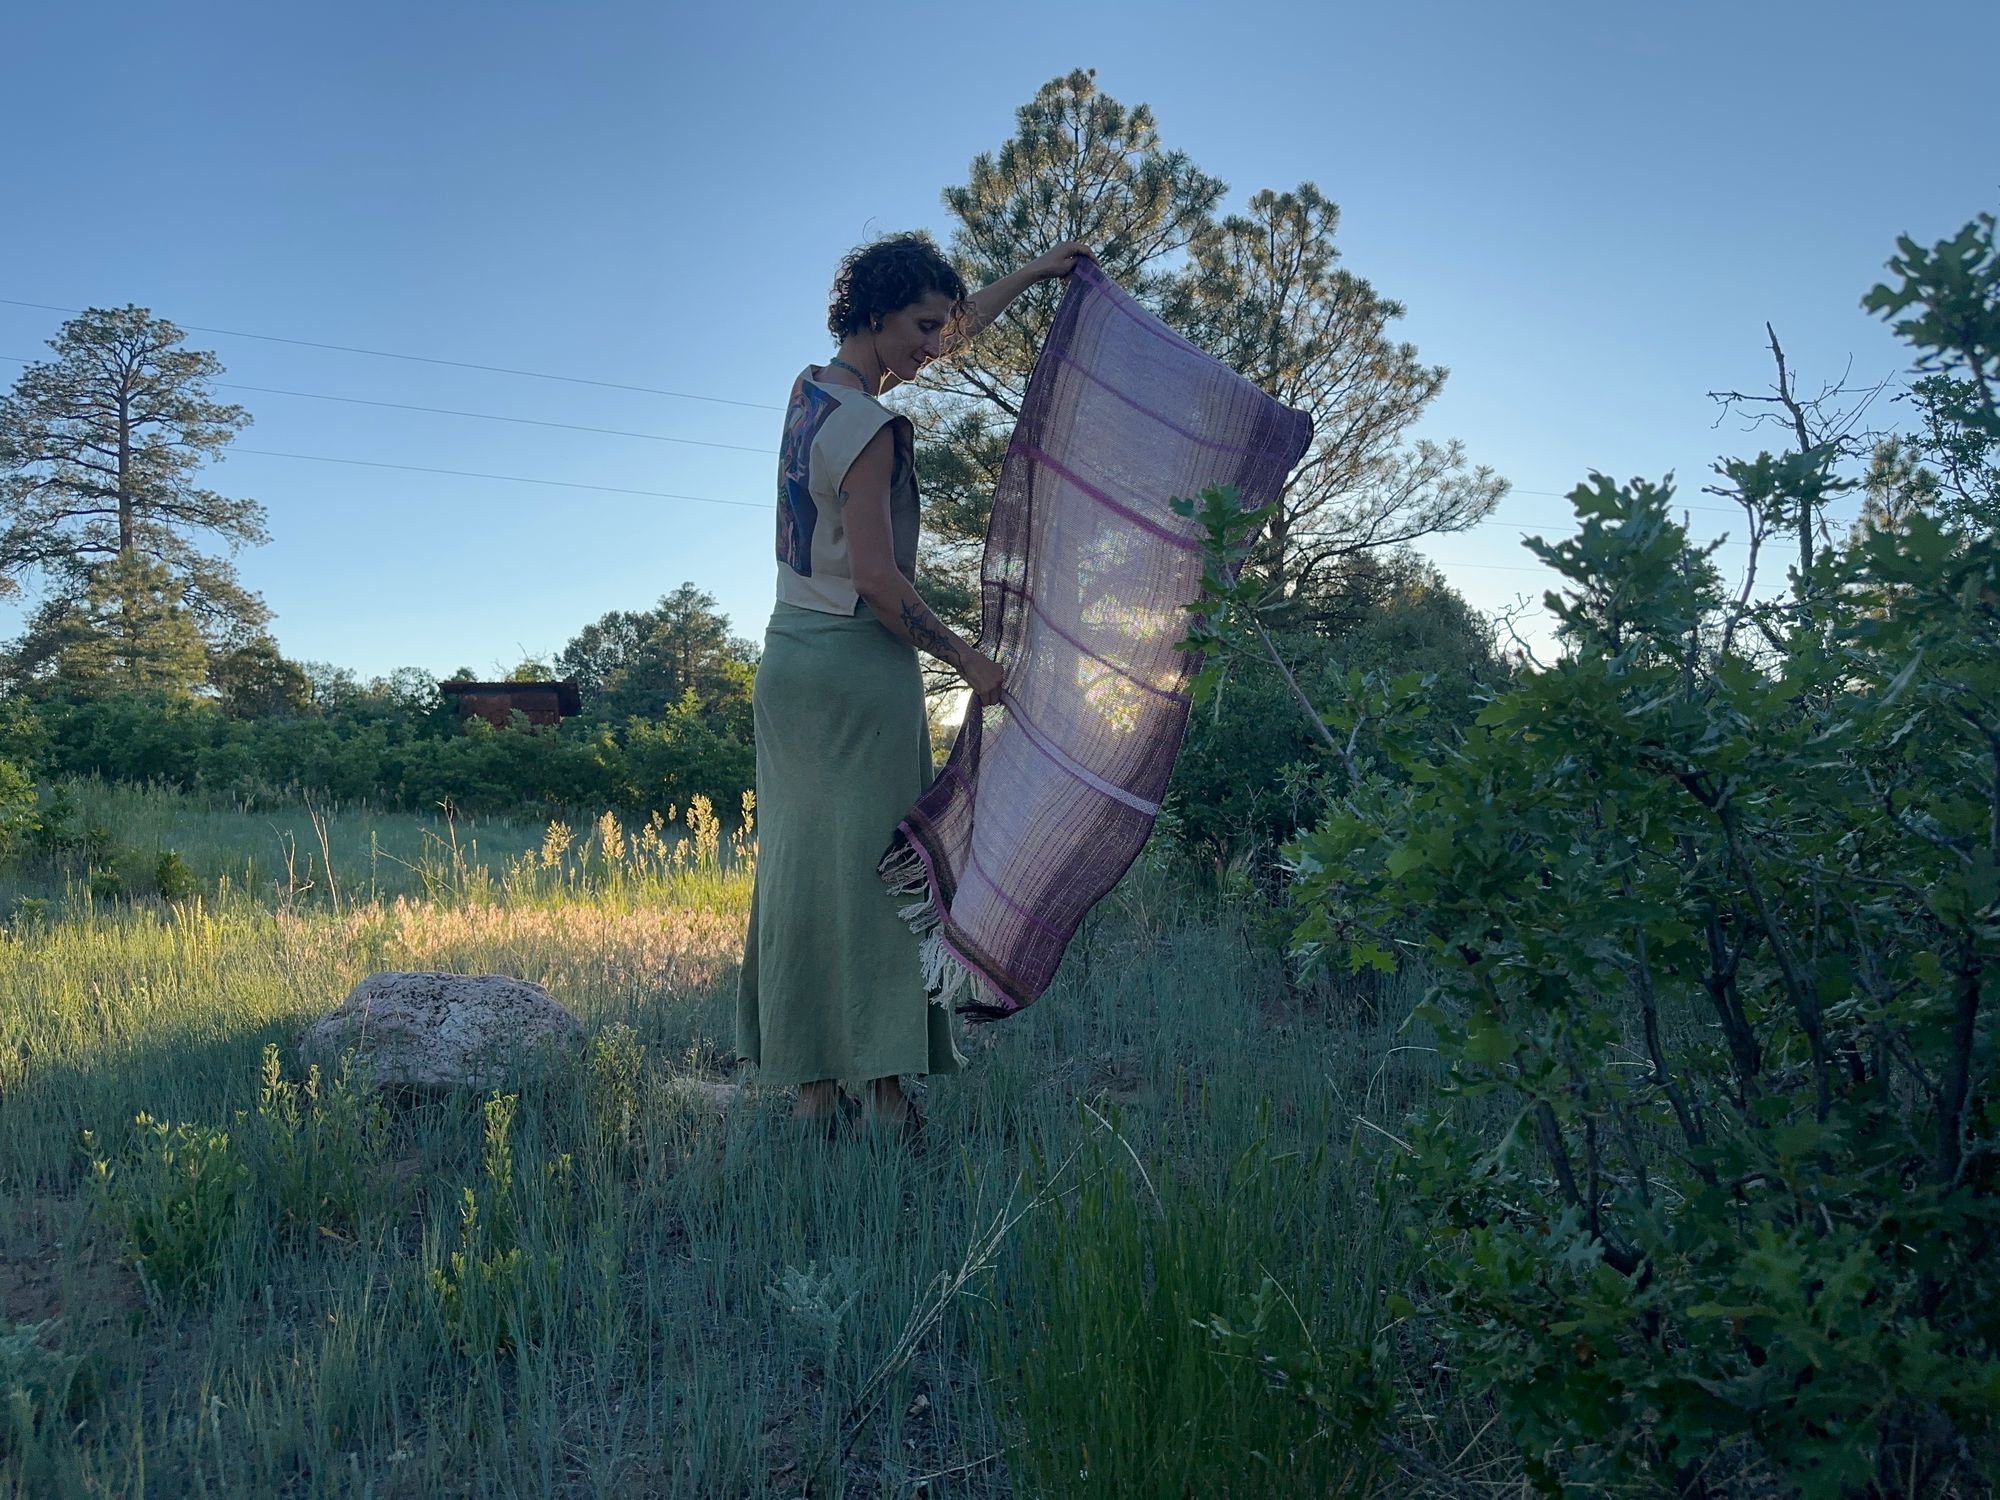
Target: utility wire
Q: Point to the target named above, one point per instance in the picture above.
(616, 432)
(479, 417)
(426, 359)
(487, 416)
(567, 484)
(1494, 568)
(601, 431)
(458, 364)
(610, 489)
(704, 499)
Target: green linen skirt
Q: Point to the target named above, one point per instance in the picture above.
(831, 984)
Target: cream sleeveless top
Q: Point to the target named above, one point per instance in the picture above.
(826, 427)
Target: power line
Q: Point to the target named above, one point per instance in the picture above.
(487, 416)
(1714, 510)
(601, 431)
(654, 437)
(426, 359)
(1544, 571)
(567, 484)
(609, 489)
(323, 458)
(1448, 568)
(466, 473)
(482, 416)
(567, 379)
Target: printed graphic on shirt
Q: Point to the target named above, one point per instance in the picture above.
(805, 413)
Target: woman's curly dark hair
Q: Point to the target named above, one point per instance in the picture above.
(887, 276)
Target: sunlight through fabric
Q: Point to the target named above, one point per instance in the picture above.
(1048, 796)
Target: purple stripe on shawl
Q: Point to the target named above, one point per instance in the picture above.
(1118, 300)
(1058, 757)
(1164, 421)
(975, 867)
(1172, 538)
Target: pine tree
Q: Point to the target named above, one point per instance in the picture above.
(1264, 293)
(129, 633)
(1261, 290)
(1080, 166)
(99, 453)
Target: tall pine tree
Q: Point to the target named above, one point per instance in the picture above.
(100, 450)
(1080, 166)
(1264, 292)
(1260, 290)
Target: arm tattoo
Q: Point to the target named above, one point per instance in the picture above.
(929, 634)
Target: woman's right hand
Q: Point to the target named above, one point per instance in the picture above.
(1061, 260)
(985, 677)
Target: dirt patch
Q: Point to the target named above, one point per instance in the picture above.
(55, 1265)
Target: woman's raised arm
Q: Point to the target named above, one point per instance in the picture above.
(986, 304)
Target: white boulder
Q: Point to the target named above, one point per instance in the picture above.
(441, 1031)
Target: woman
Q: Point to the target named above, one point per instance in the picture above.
(831, 989)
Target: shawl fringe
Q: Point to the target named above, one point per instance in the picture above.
(902, 870)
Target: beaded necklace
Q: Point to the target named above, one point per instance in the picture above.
(837, 363)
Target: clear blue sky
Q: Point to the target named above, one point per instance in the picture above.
(1588, 209)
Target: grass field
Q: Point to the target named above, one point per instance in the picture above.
(1140, 1251)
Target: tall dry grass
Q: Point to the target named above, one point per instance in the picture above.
(267, 1290)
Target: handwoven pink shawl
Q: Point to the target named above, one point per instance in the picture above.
(1048, 796)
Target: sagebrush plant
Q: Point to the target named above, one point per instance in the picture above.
(614, 1080)
(41, 1383)
(1711, 906)
(820, 1298)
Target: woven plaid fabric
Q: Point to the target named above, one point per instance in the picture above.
(1049, 795)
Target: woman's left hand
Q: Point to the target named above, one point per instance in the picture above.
(1061, 260)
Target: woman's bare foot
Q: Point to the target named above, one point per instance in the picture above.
(890, 1107)
(816, 1101)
